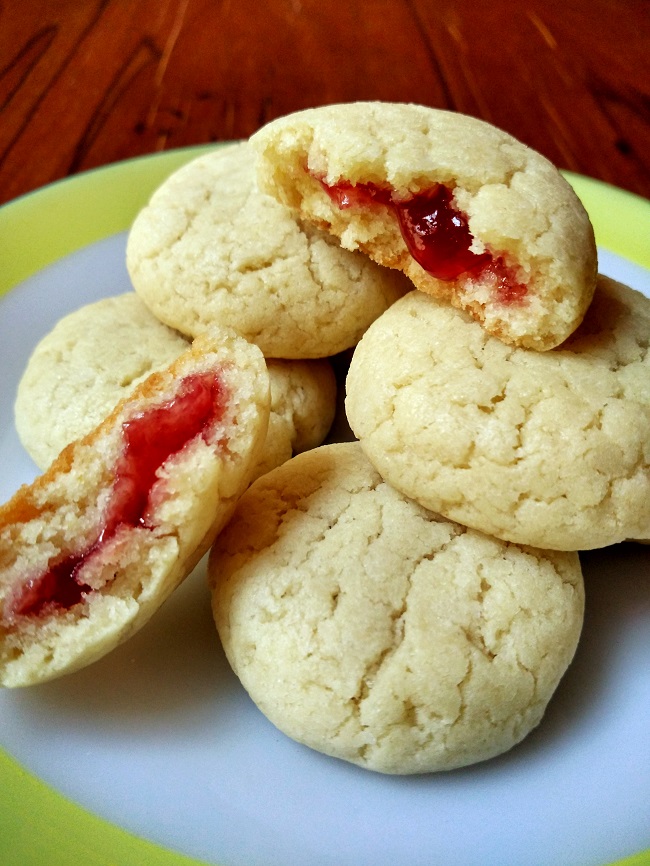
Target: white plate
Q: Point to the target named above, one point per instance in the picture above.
(159, 738)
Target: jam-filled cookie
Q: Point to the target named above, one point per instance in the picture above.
(375, 631)
(211, 248)
(469, 213)
(98, 354)
(550, 449)
(92, 548)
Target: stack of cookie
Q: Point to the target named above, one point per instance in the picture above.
(408, 601)
(213, 259)
(211, 250)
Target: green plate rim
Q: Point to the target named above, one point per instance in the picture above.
(37, 823)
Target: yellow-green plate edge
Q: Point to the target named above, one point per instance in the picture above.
(37, 824)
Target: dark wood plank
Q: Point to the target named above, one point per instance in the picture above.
(84, 84)
(569, 79)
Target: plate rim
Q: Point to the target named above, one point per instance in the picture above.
(38, 823)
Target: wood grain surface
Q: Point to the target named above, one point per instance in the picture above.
(87, 83)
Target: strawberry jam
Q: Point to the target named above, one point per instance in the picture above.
(150, 438)
(436, 233)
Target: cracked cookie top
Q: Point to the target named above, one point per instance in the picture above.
(380, 633)
(468, 213)
(550, 449)
(100, 353)
(211, 248)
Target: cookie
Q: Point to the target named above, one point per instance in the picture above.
(92, 548)
(468, 213)
(98, 354)
(210, 248)
(550, 449)
(303, 405)
(377, 632)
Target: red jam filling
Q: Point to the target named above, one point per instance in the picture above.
(150, 438)
(437, 235)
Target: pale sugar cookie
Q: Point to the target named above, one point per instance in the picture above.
(211, 248)
(92, 548)
(98, 354)
(375, 631)
(550, 449)
(468, 213)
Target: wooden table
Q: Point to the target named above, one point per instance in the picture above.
(83, 84)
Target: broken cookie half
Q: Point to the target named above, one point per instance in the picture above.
(467, 212)
(92, 548)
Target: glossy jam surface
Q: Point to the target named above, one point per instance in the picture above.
(437, 235)
(150, 438)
